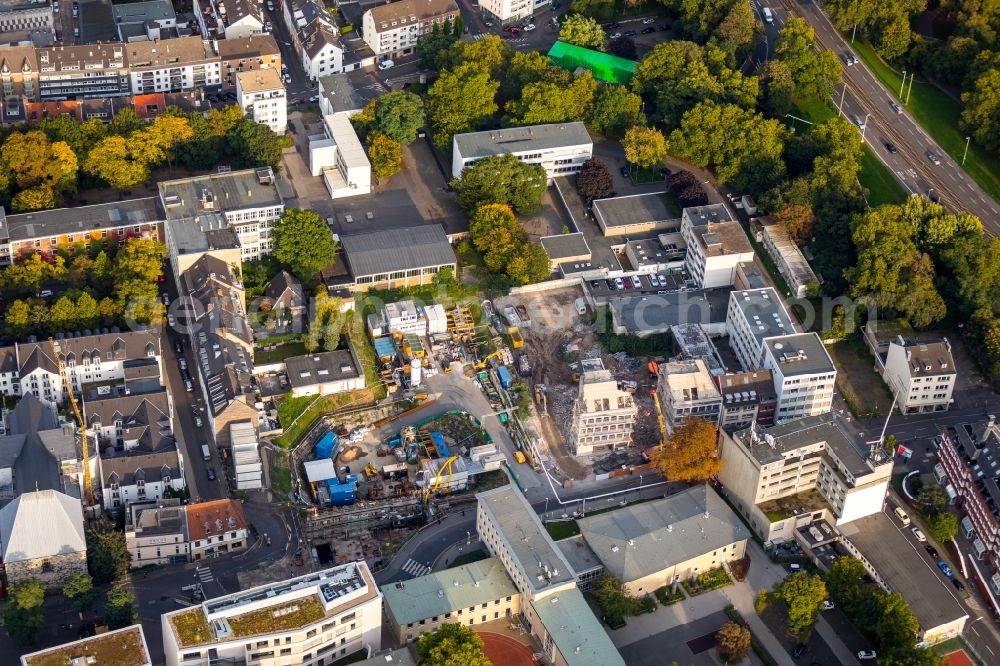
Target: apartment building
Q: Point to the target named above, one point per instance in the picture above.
(716, 245)
(320, 50)
(393, 29)
(603, 413)
(747, 398)
(803, 373)
(920, 374)
(25, 21)
(229, 19)
(215, 528)
(788, 259)
(247, 54)
(145, 20)
(803, 470)
(173, 65)
(509, 11)
(45, 231)
(156, 533)
(82, 71)
(19, 82)
(261, 95)
(121, 646)
(685, 389)
(312, 619)
(754, 315)
(560, 148)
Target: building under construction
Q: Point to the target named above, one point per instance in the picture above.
(603, 414)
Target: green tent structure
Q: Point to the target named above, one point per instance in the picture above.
(603, 66)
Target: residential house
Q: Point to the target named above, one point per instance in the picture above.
(19, 81)
(320, 49)
(247, 54)
(509, 11)
(229, 19)
(156, 533)
(82, 71)
(393, 29)
(261, 95)
(216, 527)
(283, 298)
(325, 373)
(921, 375)
(145, 20)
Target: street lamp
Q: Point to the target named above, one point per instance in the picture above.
(901, 85)
(864, 126)
(966, 153)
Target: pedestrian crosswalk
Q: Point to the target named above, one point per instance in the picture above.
(415, 568)
(204, 574)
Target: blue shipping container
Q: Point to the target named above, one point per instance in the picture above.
(506, 379)
(325, 446)
(439, 444)
(343, 494)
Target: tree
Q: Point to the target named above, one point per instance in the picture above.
(158, 140)
(602, 10)
(615, 110)
(23, 616)
(87, 314)
(933, 497)
(459, 100)
(803, 595)
(797, 220)
(892, 620)
(594, 180)
(386, 155)
(843, 582)
(943, 526)
(496, 234)
(531, 264)
(364, 120)
(582, 31)
(501, 179)
(111, 160)
(981, 116)
(304, 242)
(690, 453)
(18, 319)
(815, 73)
(452, 645)
(399, 115)
(680, 180)
(491, 54)
(79, 591)
(433, 49)
(125, 121)
(736, 32)
(39, 197)
(253, 145)
(35, 161)
(119, 611)
(547, 102)
(62, 316)
(734, 642)
(623, 48)
(693, 195)
(107, 555)
(645, 147)
(779, 87)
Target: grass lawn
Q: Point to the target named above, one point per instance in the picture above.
(863, 390)
(281, 478)
(562, 529)
(309, 409)
(940, 115)
(263, 357)
(666, 597)
(469, 558)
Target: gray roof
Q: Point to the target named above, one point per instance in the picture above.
(61, 515)
(403, 656)
(321, 367)
(634, 209)
(579, 554)
(214, 194)
(521, 139)
(526, 538)
(658, 312)
(401, 249)
(317, 35)
(574, 629)
(340, 94)
(644, 539)
(10, 449)
(83, 219)
(736, 387)
(905, 569)
(800, 354)
(129, 468)
(701, 216)
(929, 358)
(566, 246)
(38, 465)
(145, 417)
(448, 590)
(140, 12)
(764, 311)
(772, 443)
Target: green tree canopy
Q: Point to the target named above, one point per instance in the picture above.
(107, 555)
(452, 645)
(803, 595)
(119, 611)
(304, 243)
(459, 100)
(23, 616)
(582, 31)
(615, 110)
(645, 147)
(844, 583)
(253, 145)
(501, 179)
(815, 73)
(602, 10)
(981, 115)
(79, 591)
(547, 102)
(386, 155)
(399, 114)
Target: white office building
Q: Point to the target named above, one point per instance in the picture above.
(753, 316)
(261, 95)
(921, 375)
(804, 375)
(716, 245)
(510, 11)
(313, 619)
(392, 29)
(560, 148)
(339, 158)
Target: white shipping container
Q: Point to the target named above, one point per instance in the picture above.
(477, 452)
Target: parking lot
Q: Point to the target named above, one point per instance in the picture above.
(635, 285)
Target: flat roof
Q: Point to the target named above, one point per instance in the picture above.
(566, 246)
(266, 79)
(905, 568)
(348, 144)
(694, 343)
(701, 216)
(214, 194)
(579, 554)
(800, 354)
(340, 94)
(764, 312)
(121, 647)
(448, 590)
(527, 538)
(83, 219)
(319, 470)
(658, 312)
(721, 238)
(689, 379)
(140, 12)
(321, 367)
(574, 629)
(643, 539)
(389, 250)
(634, 209)
(522, 139)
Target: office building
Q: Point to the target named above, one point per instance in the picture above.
(920, 374)
(818, 467)
(752, 316)
(716, 245)
(261, 95)
(603, 413)
(325, 373)
(26, 22)
(156, 533)
(125, 647)
(339, 158)
(747, 398)
(803, 373)
(312, 619)
(393, 29)
(561, 149)
(685, 389)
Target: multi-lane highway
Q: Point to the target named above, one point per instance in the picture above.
(866, 99)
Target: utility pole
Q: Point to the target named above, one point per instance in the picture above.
(854, 32)
(843, 94)
(966, 153)
(901, 85)
(910, 89)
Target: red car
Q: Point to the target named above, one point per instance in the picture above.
(514, 30)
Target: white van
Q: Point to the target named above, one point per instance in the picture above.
(768, 15)
(205, 453)
(903, 518)
(581, 307)
(386, 64)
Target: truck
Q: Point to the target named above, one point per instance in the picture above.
(524, 365)
(516, 340)
(522, 312)
(205, 453)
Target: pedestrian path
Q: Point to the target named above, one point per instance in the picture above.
(415, 568)
(204, 574)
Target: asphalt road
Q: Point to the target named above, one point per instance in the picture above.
(867, 98)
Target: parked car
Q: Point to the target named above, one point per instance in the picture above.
(615, 35)
(959, 585)
(197, 421)
(918, 534)
(866, 655)
(648, 20)
(529, 27)
(178, 347)
(828, 605)
(931, 550)
(612, 26)
(629, 33)
(611, 284)
(76, 32)
(211, 473)
(647, 31)
(385, 64)
(619, 283)
(945, 569)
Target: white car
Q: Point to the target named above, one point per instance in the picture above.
(615, 35)
(859, 122)
(648, 20)
(385, 64)
(828, 605)
(866, 655)
(529, 27)
(918, 534)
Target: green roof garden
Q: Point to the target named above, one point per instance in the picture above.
(603, 66)
(192, 628)
(121, 648)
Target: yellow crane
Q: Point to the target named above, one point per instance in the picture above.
(436, 483)
(663, 423)
(85, 449)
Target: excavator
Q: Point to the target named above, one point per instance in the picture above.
(484, 361)
(87, 489)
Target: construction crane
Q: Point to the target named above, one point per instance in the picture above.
(85, 449)
(662, 421)
(436, 483)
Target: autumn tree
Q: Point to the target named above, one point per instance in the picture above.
(733, 641)
(386, 155)
(797, 220)
(39, 197)
(452, 645)
(594, 180)
(531, 264)
(497, 234)
(501, 179)
(304, 243)
(112, 160)
(35, 161)
(582, 31)
(803, 596)
(17, 321)
(23, 615)
(645, 147)
(690, 454)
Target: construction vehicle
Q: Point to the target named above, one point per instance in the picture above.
(370, 471)
(654, 369)
(576, 376)
(524, 365)
(542, 397)
(661, 420)
(516, 340)
(485, 361)
(84, 447)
